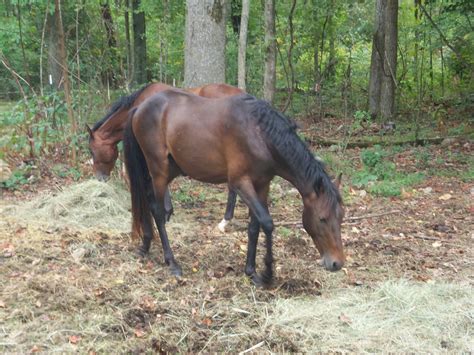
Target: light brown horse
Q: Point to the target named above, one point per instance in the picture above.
(108, 132)
(237, 140)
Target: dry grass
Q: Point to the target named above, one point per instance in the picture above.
(396, 316)
(79, 287)
(84, 205)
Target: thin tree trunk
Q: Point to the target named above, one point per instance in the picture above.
(316, 36)
(442, 71)
(389, 78)
(269, 79)
(22, 44)
(244, 20)
(139, 44)
(41, 48)
(65, 75)
(290, 58)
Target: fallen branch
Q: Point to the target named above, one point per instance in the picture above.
(356, 218)
(366, 144)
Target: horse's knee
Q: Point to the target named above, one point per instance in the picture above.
(267, 225)
(254, 227)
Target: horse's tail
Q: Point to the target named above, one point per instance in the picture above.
(139, 176)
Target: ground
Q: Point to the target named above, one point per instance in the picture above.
(67, 289)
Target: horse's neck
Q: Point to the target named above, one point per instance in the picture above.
(114, 127)
(304, 187)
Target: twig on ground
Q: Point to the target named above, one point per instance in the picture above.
(256, 346)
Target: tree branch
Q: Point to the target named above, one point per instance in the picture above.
(443, 37)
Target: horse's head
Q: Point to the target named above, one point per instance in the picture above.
(322, 219)
(104, 154)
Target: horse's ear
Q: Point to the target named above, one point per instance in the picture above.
(337, 182)
(91, 134)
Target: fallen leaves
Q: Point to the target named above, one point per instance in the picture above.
(8, 250)
(74, 339)
(345, 319)
(445, 197)
(139, 332)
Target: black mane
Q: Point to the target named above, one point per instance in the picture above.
(123, 102)
(281, 134)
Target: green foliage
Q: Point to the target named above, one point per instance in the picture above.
(186, 196)
(64, 171)
(17, 179)
(372, 157)
(393, 186)
(380, 176)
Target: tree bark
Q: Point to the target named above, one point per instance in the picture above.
(389, 77)
(139, 44)
(244, 20)
(383, 66)
(111, 42)
(269, 79)
(65, 74)
(128, 43)
(376, 59)
(205, 41)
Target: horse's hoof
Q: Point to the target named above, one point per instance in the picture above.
(168, 215)
(142, 252)
(260, 281)
(221, 226)
(175, 270)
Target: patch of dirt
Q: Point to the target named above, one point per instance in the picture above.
(90, 284)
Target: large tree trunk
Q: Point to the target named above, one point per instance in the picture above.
(204, 55)
(383, 67)
(269, 79)
(389, 78)
(55, 71)
(108, 74)
(139, 44)
(244, 20)
(375, 79)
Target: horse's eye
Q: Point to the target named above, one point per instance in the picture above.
(323, 220)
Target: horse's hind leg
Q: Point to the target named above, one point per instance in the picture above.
(229, 211)
(168, 205)
(159, 213)
(146, 238)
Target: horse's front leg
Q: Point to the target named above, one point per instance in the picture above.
(159, 214)
(260, 217)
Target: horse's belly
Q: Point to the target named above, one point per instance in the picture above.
(201, 163)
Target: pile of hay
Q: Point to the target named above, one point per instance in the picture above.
(89, 204)
(398, 316)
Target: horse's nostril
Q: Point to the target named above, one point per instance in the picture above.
(336, 266)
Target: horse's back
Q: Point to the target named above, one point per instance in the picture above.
(208, 138)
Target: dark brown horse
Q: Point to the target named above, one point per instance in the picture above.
(108, 132)
(240, 141)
